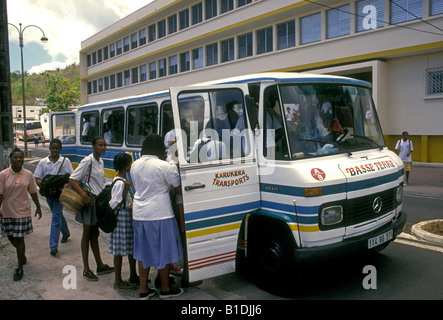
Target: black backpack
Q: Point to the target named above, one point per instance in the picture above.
(106, 216)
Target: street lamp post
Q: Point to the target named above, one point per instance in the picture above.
(44, 40)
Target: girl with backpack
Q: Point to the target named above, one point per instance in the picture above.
(121, 241)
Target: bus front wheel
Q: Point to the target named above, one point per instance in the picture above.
(272, 263)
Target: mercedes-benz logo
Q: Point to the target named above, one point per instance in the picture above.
(377, 205)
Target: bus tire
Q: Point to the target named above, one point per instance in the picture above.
(271, 262)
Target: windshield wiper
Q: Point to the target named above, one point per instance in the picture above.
(368, 139)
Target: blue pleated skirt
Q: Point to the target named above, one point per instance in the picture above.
(157, 243)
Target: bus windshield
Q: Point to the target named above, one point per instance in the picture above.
(326, 119)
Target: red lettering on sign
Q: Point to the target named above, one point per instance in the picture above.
(318, 174)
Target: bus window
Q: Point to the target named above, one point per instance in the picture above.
(214, 124)
(113, 124)
(63, 127)
(89, 125)
(142, 121)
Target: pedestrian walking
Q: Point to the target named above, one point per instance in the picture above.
(121, 241)
(405, 148)
(54, 164)
(88, 180)
(15, 208)
(156, 235)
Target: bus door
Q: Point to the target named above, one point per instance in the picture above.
(216, 153)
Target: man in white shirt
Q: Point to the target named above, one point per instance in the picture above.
(404, 148)
(56, 165)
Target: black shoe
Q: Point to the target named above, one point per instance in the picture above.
(106, 269)
(173, 292)
(90, 276)
(147, 295)
(18, 274)
(65, 239)
(54, 251)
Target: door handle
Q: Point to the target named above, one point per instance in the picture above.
(194, 186)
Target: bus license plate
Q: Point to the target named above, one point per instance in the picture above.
(382, 238)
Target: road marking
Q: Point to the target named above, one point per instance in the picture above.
(410, 240)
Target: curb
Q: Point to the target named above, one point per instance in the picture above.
(419, 232)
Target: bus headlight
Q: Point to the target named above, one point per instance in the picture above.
(399, 194)
(331, 215)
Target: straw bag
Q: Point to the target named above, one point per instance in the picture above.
(71, 199)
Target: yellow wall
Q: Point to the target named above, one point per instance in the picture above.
(426, 148)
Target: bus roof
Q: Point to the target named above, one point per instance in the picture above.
(279, 77)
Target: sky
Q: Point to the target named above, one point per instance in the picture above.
(65, 23)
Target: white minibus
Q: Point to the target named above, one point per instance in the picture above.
(277, 169)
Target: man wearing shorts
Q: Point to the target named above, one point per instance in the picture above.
(405, 148)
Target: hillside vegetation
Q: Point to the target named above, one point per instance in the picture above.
(56, 88)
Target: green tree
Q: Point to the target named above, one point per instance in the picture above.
(61, 92)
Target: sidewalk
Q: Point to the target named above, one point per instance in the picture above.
(43, 274)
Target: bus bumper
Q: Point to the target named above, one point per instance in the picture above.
(349, 246)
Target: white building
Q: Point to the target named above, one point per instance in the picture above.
(395, 44)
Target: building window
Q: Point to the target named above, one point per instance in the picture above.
(310, 28)
(94, 58)
(197, 58)
(119, 47)
(105, 53)
(173, 65)
(151, 33)
(134, 73)
(211, 54)
(112, 50)
(100, 85)
(406, 10)
(185, 61)
(161, 26)
(197, 13)
(210, 9)
(245, 45)
(227, 49)
(153, 70)
(436, 7)
(127, 74)
(172, 24)
(126, 44)
(286, 35)
(112, 81)
(184, 19)
(119, 80)
(370, 14)
(241, 3)
(339, 22)
(89, 87)
(134, 40)
(264, 40)
(226, 5)
(99, 55)
(142, 36)
(94, 86)
(434, 81)
(162, 67)
(143, 73)
(88, 60)
(106, 83)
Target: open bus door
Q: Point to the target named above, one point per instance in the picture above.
(219, 174)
